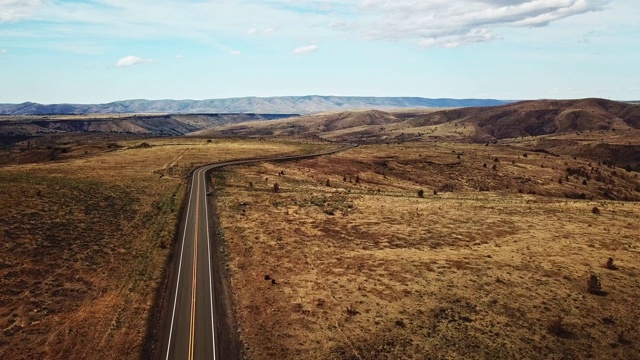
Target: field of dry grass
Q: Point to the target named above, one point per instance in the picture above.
(346, 261)
(85, 238)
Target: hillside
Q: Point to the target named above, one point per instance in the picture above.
(541, 117)
(272, 105)
(330, 126)
(480, 124)
(156, 125)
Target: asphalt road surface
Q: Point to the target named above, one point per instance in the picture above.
(193, 329)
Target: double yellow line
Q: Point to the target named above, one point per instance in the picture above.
(194, 280)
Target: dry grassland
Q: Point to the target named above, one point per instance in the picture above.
(492, 266)
(84, 241)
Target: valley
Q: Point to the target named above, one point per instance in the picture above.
(457, 233)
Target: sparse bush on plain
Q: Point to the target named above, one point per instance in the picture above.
(593, 284)
(352, 311)
(556, 326)
(595, 210)
(421, 193)
(610, 265)
(276, 188)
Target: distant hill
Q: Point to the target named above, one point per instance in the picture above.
(18, 127)
(266, 105)
(479, 124)
(539, 117)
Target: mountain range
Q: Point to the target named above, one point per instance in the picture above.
(262, 105)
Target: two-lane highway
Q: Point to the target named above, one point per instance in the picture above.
(191, 330)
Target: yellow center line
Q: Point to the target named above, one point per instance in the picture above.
(193, 286)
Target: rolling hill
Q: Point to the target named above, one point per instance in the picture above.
(153, 125)
(480, 124)
(540, 117)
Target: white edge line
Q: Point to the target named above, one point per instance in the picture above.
(175, 299)
(206, 210)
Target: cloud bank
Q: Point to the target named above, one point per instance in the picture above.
(455, 23)
(425, 23)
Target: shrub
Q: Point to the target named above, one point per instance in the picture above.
(420, 193)
(584, 182)
(593, 284)
(328, 183)
(556, 326)
(494, 167)
(595, 210)
(610, 265)
(276, 188)
(484, 165)
(352, 311)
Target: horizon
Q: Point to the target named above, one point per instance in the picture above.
(103, 51)
(301, 96)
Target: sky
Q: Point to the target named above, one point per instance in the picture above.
(98, 51)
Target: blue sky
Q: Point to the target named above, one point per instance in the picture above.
(96, 51)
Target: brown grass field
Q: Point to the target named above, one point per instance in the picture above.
(346, 261)
(492, 265)
(85, 236)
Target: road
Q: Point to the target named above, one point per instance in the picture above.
(193, 328)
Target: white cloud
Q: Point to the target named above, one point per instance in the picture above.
(131, 60)
(3, 51)
(456, 23)
(14, 10)
(425, 23)
(235, 52)
(179, 57)
(305, 49)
